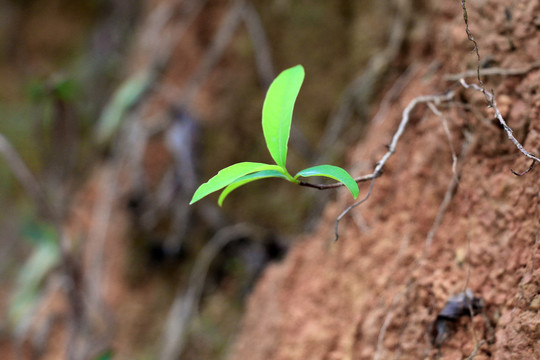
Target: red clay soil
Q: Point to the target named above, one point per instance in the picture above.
(375, 293)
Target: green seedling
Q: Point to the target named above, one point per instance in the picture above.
(276, 122)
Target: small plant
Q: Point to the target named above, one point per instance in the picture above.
(276, 122)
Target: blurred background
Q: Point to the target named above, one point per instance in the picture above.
(113, 111)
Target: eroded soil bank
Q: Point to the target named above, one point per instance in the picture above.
(376, 292)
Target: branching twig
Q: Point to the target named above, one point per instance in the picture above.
(490, 98)
(493, 104)
(392, 147)
(359, 179)
(471, 38)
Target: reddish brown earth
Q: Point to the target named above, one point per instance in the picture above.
(330, 301)
(376, 292)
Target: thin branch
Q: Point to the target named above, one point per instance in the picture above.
(347, 210)
(524, 172)
(493, 104)
(490, 98)
(471, 38)
(359, 179)
(437, 99)
(492, 72)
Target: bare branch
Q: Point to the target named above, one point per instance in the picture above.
(493, 104)
(437, 99)
(359, 179)
(471, 38)
(490, 98)
(347, 210)
(524, 172)
(492, 72)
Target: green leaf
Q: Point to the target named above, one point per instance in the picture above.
(278, 109)
(122, 101)
(45, 257)
(107, 355)
(332, 172)
(229, 175)
(247, 179)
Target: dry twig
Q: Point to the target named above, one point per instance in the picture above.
(392, 148)
(490, 98)
(493, 72)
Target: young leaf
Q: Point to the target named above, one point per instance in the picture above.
(247, 179)
(277, 111)
(228, 175)
(332, 172)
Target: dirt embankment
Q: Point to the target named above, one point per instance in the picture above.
(375, 293)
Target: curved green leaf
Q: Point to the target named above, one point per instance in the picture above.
(123, 99)
(332, 172)
(247, 179)
(278, 109)
(228, 175)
